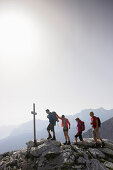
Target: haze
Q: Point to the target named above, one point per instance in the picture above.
(57, 54)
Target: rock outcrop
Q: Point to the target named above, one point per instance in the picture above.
(48, 155)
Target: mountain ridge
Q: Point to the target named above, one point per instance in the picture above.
(25, 132)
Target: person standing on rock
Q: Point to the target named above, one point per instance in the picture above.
(66, 125)
(95, 129)
(52, 122)
(80, 128)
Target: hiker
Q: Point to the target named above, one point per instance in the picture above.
(66, 125)
(52, 122)
(95, 122)
(80, 128)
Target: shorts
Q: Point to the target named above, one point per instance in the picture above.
(65, 129)
(96, 134)
(50, 127)
(79, 135)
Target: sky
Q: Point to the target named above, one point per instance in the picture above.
(57, 54)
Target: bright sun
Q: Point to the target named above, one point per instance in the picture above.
(17, 34)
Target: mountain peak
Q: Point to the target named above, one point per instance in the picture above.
(101, 108)
(48, 155)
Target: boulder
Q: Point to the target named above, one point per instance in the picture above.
(107, 151)
(96, 165)
(96, 153)
(108, 164)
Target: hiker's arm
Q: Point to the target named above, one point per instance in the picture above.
(59, 117)
(96, 124)
(79, 127)
(69, 124)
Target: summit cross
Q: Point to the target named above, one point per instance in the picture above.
(34, 123)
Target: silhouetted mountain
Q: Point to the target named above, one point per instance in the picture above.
(102, 113)
(106, 130)
(5, 131)
(24, 132)
(28, 127)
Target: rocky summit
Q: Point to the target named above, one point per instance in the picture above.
(48, 155)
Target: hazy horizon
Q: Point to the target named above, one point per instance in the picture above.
(13, 125)
(57, 54)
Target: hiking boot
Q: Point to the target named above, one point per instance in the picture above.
(65, 143)
(84, 147)
(103, 144)
(75, 143)
(54, 138)
(68, 143)
(96, 145)
(49, 137)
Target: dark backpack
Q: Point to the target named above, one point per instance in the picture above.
(99, 122)
(54, 117)
(82, 125)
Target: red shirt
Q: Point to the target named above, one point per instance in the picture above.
(93, 121)
(67, 121)
(79, 126)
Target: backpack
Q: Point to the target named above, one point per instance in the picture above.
(99, 122)
(82, 125)
(54, 117)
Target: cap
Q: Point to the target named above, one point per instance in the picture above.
(77, 118)
(47, 110)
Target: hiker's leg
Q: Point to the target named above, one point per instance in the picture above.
(48, 130)
(52, 129)
(53, 133)
(68, 136)
(102, 142)
(83, 142)
(100, 139)
(76, 138)
(98, 135)
(81, 138)
(54, 138)
(65, 143)
(65, 135)
(94, 135)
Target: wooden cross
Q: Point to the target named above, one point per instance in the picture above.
(34, 113)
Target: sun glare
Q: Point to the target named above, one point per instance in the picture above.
(16, 37)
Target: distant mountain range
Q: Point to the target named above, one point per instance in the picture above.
(23, 133)
(106, 130)
(5, 131)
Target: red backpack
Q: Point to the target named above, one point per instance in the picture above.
(83, 125)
